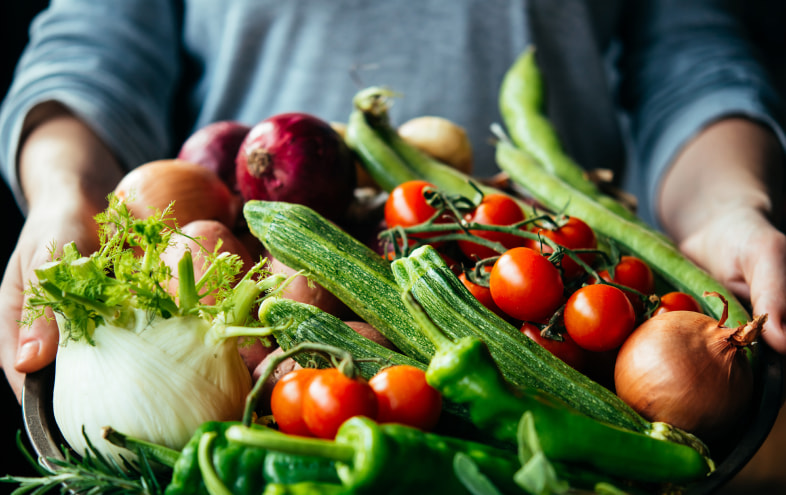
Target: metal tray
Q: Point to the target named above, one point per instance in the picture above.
(45, 437)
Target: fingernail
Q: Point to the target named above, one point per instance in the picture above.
(28, 351)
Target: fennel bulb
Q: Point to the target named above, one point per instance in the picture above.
(136, 358)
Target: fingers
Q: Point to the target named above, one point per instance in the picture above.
(766, 275)
(37, 346)
(10, 312)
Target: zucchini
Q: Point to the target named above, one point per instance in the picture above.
(295, 322)
(523, 362)
(366, 283)
(303, 240)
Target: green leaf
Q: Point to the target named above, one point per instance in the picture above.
(470, 476)
(537, 475)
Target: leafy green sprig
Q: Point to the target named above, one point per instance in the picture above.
(93, 473)
(128, 274)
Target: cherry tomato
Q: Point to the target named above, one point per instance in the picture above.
(572, 233)
(404, 396)
(332, 398)
(635, 273)
(494, 209)
(599, 317)
(286, 401)
(406, 206)
(482, 294)
(677, 301)
(567, 350)
(526, 285)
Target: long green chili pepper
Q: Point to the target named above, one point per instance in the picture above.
(464, 371)
(662, 256)
(391, 458)
(210, 463)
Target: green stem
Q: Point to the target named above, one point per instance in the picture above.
(291, 444)
(186, 288)
(159, 453)
(212, 481)
(253, 396)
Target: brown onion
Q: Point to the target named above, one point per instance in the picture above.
(198, 193)
(687, 369)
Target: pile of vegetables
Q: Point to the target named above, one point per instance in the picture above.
(528, 335)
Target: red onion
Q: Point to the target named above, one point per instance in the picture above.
(215, 146)
(297, 158)
(687, 369)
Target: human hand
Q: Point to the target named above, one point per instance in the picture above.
(27, 349)
(745, 252)
(66, 173)
(720, 201)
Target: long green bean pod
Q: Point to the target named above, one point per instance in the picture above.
(390, 160)
(662, 256)
(521, 104)
(382, 163)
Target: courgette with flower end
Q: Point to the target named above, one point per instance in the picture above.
(523, 362)
(303, 240)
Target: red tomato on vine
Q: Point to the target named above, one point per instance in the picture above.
(286, 401)
(407, 206)
(599, 317)
(481, 293)
(526, 285)
(498, 210)
(332, 398)
(572, 233)
(566, 349)
(635, 273)
(404, 396)
(677, 301)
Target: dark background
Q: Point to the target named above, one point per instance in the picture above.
(14, 20)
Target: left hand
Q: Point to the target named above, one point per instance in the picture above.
(720, 201)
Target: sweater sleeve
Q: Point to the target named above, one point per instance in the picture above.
(686, 65)
(113, 64)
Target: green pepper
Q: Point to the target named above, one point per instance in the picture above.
(305, 488)
(392, 458)
(210, 463)
(465, 372)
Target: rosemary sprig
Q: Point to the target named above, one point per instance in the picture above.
(91, 474)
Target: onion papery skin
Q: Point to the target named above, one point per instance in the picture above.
(214, 147)
(197, 193)
(297, 158)
(681, 369)
(158, 382)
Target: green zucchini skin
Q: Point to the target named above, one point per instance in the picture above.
(366, 283)
(303, 240)
(297, 322)
(522, 361)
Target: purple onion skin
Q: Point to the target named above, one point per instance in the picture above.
(215, 147)
(297, 158)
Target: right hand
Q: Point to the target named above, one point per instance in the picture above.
(66, 173)
(26, 349)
